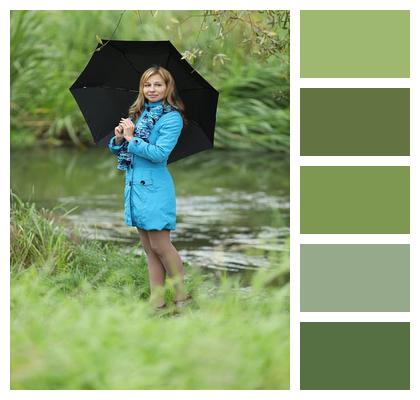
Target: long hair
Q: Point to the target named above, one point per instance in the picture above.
(170, 97)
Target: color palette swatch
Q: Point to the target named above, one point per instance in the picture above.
(355, 199)
(355, 278)
(358, 199)
(355, 355)
(355, 44)
(355, 122)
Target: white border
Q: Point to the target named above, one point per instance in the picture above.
(354, 239)
(5, 205)
(354, 316)
(355, 83)
(296, 83)
(294, 199)
(354, 161)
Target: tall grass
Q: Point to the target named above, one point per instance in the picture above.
(79, 320)
(253, 109)
(50, 48)
(39, 242)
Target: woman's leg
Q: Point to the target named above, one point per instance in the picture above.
(156, 271)
(161, 245)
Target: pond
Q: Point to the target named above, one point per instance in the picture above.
(232, 207)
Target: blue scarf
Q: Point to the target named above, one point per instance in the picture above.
(143, 129)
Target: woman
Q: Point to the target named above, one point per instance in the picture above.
(143, 143)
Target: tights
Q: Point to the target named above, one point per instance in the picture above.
(162, 260)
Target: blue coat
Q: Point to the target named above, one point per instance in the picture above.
(149, 194)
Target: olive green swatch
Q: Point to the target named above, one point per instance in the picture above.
(355, 44)
(355, 355)
(354, 200)
(355, 122)
(355, 277)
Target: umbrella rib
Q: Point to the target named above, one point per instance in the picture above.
(167, 60)
(117, 88)
(128, 60)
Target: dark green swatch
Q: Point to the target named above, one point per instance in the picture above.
(355, 277)
(355, 122)
(355, 44)
(355, 355)
(354, 200)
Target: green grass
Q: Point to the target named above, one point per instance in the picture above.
(80, 319)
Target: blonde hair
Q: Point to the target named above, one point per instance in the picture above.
(170, 97)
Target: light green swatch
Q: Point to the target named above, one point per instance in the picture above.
(354, 200)
(355, 44)
(355, 277)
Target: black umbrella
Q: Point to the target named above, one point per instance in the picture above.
(109, 85)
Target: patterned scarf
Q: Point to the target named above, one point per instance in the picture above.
(142, 130)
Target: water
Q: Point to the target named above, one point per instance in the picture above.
(232, 207)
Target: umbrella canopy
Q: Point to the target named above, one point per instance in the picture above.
(109, 85)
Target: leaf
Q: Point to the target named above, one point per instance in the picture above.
(220, 57)
(99, 40)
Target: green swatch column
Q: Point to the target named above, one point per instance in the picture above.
(355, 199)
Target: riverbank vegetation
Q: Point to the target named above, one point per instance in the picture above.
(80, 319)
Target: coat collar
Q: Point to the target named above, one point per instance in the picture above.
(153, 104)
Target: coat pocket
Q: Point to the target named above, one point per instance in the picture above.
(146, 181)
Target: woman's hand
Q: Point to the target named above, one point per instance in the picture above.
(119, 134)
(128, 128)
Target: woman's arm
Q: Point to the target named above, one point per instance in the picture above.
(114, 147)
(116, 142)
(168, 137)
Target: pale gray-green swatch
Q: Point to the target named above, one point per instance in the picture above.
(355, 277)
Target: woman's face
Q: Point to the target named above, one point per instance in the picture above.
(154, 88)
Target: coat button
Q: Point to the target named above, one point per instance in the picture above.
(142, 182)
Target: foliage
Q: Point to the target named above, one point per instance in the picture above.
(50, 48)
(78, 320)
(253, 108)
(264, 33)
